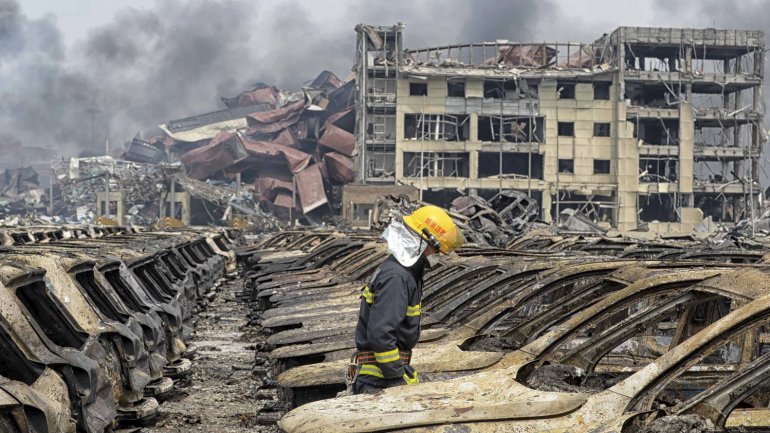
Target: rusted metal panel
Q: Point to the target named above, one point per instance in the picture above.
(339, 167)
(338, 139)
(326, 80)
(287, 137)
(310, 187)
(275, 120)
(283, 199)
(296, 159)
(223, 151)
(265, 187)
(524, 55)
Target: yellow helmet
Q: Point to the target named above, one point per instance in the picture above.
(436, 227)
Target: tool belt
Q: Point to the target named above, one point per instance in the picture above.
(360, 358)
(368, 357)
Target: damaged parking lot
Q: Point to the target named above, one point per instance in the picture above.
(207, 271)
(544, 334)
(210, 330)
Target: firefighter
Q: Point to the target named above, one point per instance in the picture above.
(389, 317)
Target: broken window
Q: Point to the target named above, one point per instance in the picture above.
(381, 127)
(515, 129)
(381, 90)
(601, 166)
(651, 95)
(658, 170)
(720, 207)
(515, 164)
(439, 127)
(566, 166)
(657, 131)
(500, 89)
(565, 90)
(436, 164)
(455, 88)
(380, 162)
(598, 208)
(418, 89)
(602, 91)
(662, 207)
(361, 211)
(566, 129)
(601, 129)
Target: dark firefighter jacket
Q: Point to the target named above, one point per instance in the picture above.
(389, 319)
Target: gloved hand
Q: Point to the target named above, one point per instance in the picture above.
(411, 380)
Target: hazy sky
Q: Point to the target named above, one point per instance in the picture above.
(584, 19)
(144, 62)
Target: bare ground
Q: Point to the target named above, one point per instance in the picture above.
(220, 395)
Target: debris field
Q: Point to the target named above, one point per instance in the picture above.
(109, 328)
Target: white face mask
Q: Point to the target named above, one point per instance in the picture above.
(405, 246)
(432, 260)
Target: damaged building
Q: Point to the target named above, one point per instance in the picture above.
(644, 129)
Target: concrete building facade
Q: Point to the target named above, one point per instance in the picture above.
(644, 129)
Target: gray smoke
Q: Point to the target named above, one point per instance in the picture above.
(38, 97)
(175, 59)
(148, 66)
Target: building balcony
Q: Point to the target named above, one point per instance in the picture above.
(708, 153)
(658, 187)
(494, 146)
(734, 187)
(721, 117)
(711, 83)
(634, 112)
(658, 150)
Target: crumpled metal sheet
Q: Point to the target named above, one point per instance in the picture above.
(296, 159)
(265, 187)
(289, 137)
(338, 139)
(582, 58)
(310, 187)
(275, 120)
(223, 151)
(339, 167)
(524, 55)
(148, 152)
(326, 80)
(283, 199)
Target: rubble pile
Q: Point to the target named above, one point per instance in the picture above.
(230, 200)
(488, 223)
(81, 180)
(497, 221)
(295, 148)
(85, 181)
(20, 192)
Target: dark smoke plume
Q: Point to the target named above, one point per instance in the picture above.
(176, 59)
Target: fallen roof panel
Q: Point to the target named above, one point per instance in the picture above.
(310, 186)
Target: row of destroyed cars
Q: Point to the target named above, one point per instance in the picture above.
(556, 333)
(94, 321)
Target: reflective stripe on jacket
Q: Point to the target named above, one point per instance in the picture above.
(389, 316)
